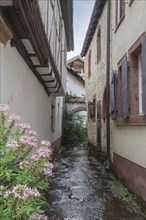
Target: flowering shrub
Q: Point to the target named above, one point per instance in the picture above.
(23, 176)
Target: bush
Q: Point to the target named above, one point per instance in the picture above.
(73, 128)
(24, 176)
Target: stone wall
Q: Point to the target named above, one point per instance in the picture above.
(95, 85)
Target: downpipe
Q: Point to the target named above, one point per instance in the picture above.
(108, 165)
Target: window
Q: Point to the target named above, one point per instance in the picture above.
(123, 89)
(131, 91)
(120, 11)
(98, 44)
(89, 64)
(92, 109)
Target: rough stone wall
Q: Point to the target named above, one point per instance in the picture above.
(96, 83)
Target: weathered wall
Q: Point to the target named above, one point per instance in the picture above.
(96, 83)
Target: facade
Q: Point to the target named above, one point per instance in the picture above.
(127, 87)
(76, 87)
(77, 65)
(35, 37)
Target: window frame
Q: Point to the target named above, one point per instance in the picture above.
(135, 118)
(99, 44)
(89, 64)
(118, 20)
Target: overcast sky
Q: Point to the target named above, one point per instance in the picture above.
(82, 13)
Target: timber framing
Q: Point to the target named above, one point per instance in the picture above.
(25, 22)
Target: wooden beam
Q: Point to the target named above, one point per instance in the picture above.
(5, 32)
(6, 3)
(23, 52)
(30, 16)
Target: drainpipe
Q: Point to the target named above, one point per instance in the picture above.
(108, 86)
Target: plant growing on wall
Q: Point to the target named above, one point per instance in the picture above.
(23, 175)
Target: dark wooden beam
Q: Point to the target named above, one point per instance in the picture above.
(49, 81)
(6, 3)
(48, 74)
(23, 52)
(30, 16)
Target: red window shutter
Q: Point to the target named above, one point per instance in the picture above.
(125, 88)
(143, 59)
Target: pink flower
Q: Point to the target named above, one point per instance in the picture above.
(42, 152)
(45, 143)
(24, 126)
(4, 108)
(38, 217)
(33, 133)
(31, 141)
(14, 118)
(12, 144)
(22, 192)
(48, 168)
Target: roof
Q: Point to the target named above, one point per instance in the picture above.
(76, 75)
(67, 14)
(97, 11)
(78, 57)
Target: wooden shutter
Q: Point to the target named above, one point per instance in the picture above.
(143, 59)
(89, 110)
(89, 64)
(113, 100)
(125, 88)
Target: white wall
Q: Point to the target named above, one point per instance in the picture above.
(23, 92)
(75, 86)
(129, 141)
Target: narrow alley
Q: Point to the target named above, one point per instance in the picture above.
(81, 189)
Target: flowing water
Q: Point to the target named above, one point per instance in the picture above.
(81, 189)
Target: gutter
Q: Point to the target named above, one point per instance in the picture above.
(108, 165)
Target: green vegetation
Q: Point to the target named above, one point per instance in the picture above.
(74, 130)
(125, 194)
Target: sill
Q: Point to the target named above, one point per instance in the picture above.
(117, 26)
(132, 120)
(131, 2)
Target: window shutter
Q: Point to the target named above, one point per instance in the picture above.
(143, 59)
(114, 95)
(89, 113)
(125, 96)
(89, 110)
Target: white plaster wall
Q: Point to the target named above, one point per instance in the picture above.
(23, 92)
(130, 29)
(129, 141)
(75, 86)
